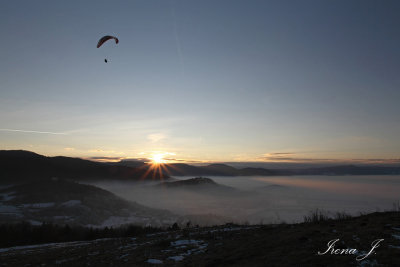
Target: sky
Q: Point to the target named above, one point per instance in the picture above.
(202, 81)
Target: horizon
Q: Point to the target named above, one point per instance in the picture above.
(244, 164)
(247, 83)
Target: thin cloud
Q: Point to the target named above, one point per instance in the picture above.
(294, 159)
(285, 157)
(376, 161)
(31, 131)
(177, 40)
(157, 137)
(291, 157)
(106, 159)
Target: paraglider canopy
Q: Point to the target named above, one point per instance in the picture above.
(105, 39)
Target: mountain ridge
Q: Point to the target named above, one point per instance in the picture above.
(22, 165)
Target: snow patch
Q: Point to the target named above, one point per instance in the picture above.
(199, 246)
(64, 261)
(176, 258)
(7, 196)
(396, 236)
(39, 205)
(9, 209)
(54, 245)
(33, 222)
(154, 261)
(185, 242)
(368, 263)
(71, 203)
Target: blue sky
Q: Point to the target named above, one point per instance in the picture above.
(202, 80)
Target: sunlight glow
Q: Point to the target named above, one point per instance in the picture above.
(158, 158)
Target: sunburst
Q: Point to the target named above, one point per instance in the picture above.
(158, 158)
(158, 167)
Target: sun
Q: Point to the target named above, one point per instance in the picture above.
(158, 158)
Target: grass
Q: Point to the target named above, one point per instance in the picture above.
(317, 216)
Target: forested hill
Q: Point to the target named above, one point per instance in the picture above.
(20, 165)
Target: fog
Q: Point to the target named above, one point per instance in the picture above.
(264, 199)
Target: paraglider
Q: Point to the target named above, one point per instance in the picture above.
(105, 39)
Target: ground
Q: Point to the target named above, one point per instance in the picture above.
(229, 245)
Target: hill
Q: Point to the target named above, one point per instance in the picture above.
(66, 202)
(198, 181)
(181, 169)
(20, 165)
(202, 185)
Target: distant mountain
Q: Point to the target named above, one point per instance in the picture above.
(223, 169)
(181, 169)
(344, 170)
(20, 165)
(130, 163)
(60, 201)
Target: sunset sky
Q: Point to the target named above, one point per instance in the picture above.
(202, 80)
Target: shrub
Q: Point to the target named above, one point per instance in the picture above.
(316, 216)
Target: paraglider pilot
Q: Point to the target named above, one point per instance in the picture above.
(104, 39)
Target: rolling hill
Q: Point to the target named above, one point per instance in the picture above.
(66, 202)
(19, 165)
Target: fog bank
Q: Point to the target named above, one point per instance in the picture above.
(264, 199)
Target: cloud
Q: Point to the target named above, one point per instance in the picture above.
(106, 152)
(182, 160)
(280, 153)
(69, 148)
(106, 159)
(178, 42)
(280, 156)
(292, 158)
(376, 161)
(157, 137)
(31, 131)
